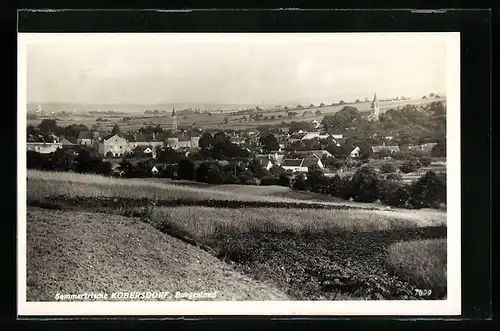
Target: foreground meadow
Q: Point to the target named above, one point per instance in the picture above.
(79, 252)
(308, 251)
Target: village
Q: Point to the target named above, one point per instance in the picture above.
(290, 152)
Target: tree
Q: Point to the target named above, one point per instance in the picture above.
(116, 130)
(268, 181)
(255, 167)
(231, 178)
(393, 193)
(299, 183)
(341, 102)
(387, 168)
(365, 151)
(346, 117)
(186, 169)
(317, 112)
(31, 130)
(206, 140)
(364, 185)
(429, 191)
(344, 188)
(322, 104)
(269, 142)
(245, 177)
(202, 172)
(410, 166)
(74, 130)
(168, 156)
(276, 170)
(125, 167)
(315, 179)
(394, 176)
(426, 161)
(48, 126)
(439, 150)
(215, 175)
(284, 180)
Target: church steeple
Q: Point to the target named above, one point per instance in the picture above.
(174, 120)
(375, 109)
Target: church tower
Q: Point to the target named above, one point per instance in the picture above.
(174, 120)
(375, 109)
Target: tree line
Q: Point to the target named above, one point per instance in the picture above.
(367, 185)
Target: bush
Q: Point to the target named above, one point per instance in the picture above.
(410, 166)
(186, 169)
(388, 168)
(393, 193)
(231, 178)
(394, 176)
(429, 191)
(425, 161)
(299, 183)
(245, 177)
(284, 180)
(266, 181)
(344, 188)
(364, 185)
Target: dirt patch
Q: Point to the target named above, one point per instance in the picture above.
(77, 252)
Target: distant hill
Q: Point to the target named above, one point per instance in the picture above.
(134, 108)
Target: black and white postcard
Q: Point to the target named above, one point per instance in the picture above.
(239, 174)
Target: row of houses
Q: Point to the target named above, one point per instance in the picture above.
(116, 144)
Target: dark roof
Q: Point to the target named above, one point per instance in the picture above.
(291, 163)
(309, 162)
(119, 135)
(85, 135)
(144, 137)
(66, 142)
(312, 151)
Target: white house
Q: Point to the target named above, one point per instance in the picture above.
(301, 165)
(115, 145)
(42, 147)
(311, 135)
(355, 152)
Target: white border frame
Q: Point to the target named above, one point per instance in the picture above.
(450, 306)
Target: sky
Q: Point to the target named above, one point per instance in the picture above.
(233, 69)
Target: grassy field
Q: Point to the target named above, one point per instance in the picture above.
(71, 252)
(423, 262)
(309, 254)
